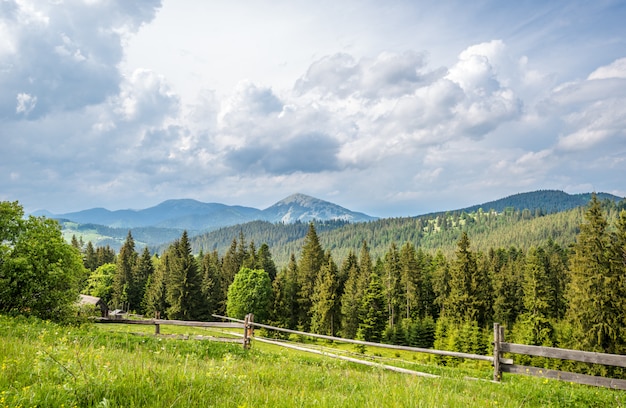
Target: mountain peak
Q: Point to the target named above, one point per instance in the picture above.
(301, 207)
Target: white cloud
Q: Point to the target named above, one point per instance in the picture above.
(617, 69)
(25, 103)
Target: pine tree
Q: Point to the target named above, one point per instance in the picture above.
(469, 297)
(392, 282)
(309, 266)
(534, 322)
(325, 310)
(212, 300)
(91, 261)
(410, 279)
(594, 293)
(183, 287)
(143, 269)
(285, 294)
(123, 281)
(154, 300)
(373, 311)
(265, 261)
(350, 297)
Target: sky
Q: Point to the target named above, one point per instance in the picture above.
(393, 108)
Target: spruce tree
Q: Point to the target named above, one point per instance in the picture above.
(325, 308)
(470, 287)
(123, 281)
(351, 297)
(183, 287)
(265, 261)
(143, 269)
(212, 300)
(373, 311)
(595, 304)
(90, 260)
(309, 266)
(285, 294)
(392, 282)
(154, 300)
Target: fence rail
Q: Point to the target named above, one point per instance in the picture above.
(500, 346)
(500, 364)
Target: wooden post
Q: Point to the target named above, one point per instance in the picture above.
(497, 373)
(246, 339)
(250, 327)
(157, 328)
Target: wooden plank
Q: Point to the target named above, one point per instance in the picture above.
(370, 344)
(566, 376)
(350, 359)
(565, 354)
(173, 323)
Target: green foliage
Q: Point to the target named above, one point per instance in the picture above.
(373, 312)
(183, 283)
(100, 282)
(596, 291)
(325, 308)
(250, 292)
(40, 273)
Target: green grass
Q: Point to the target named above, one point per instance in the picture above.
(46, 365)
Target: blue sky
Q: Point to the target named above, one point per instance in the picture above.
(389, 108)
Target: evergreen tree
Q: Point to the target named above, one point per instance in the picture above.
(441, 281)
(155, 300)
(309, 266)
(212, 300)
(350, 298)
(325, 309)
(231, 264)
(373, 311)
(285, 294)
(143, 269)
(90, 260)
(595, 298)
(470, 289)
(507, 284)
(534, 322)
(183, 286)
(123, 281)
(392, 282)
(411, 281)
(105, 255)
(265, 261)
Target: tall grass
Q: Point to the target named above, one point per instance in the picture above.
(46, 365)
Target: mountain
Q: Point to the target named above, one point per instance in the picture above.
(285, 221)
(303, 208)
(546, 201)
(178, 214)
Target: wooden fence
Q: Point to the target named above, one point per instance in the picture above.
(506, 366)
(500, 363)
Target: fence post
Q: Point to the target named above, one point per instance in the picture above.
(497, 373)
(246, 339)
(250, 327)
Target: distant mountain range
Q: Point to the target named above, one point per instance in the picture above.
(165, 222)
(194, 215)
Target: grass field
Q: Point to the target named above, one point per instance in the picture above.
(46, 365)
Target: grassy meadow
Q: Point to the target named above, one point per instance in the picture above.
(47, 365)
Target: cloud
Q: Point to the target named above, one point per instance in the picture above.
(617, 69)
(64, 54)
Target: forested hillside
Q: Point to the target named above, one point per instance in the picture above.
(431, 233)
